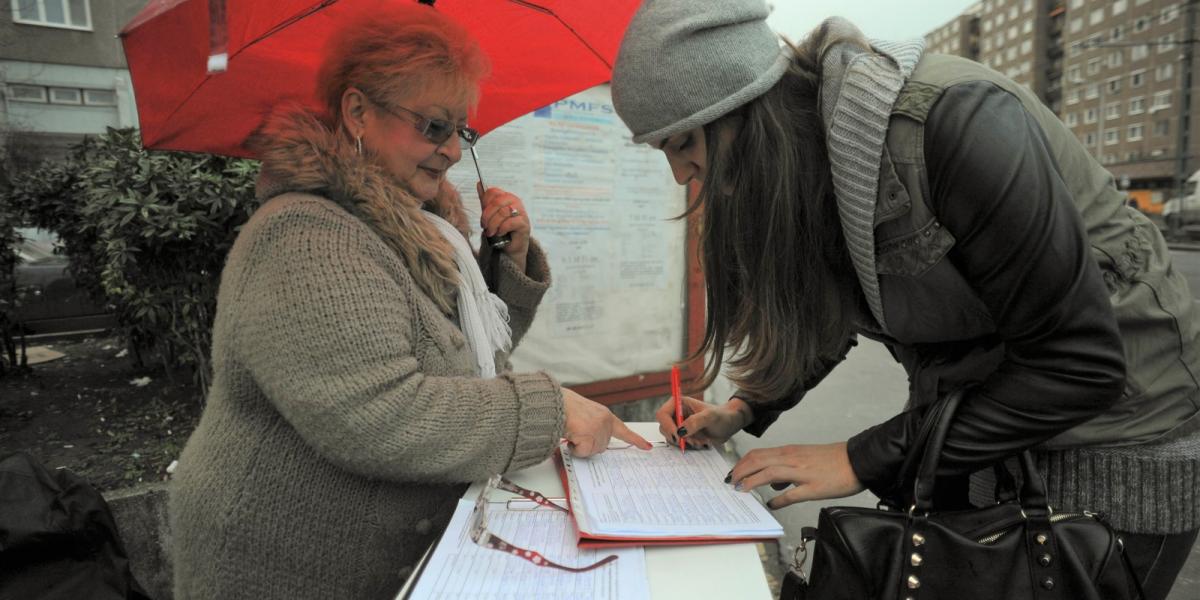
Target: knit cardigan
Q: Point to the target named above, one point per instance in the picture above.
(345, 416)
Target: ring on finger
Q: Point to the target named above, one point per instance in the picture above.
(512, 212)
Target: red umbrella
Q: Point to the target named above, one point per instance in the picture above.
(541, 51)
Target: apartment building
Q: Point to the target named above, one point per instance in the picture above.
(960, 36)
(1124, 73)
(1111, 69)
(62, 74)
(1013, 39)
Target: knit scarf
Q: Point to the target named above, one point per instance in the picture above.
(858, 89)
(482, 316)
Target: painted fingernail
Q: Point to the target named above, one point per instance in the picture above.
(681, 432)
(729, 476)
(738, 487)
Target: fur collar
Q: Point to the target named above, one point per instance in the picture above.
(300, 153)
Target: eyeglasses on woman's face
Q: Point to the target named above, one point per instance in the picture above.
(437, 131)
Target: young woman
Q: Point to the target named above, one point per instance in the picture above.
(931, 204)
(360, 360)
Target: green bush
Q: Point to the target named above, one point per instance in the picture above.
(147, 234)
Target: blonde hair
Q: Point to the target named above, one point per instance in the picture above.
(391, 54)
(396, 51)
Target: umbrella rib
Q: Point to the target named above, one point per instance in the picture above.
(288, 23)
(283, 25)
(543, 9)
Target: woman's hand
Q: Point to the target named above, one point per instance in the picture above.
(505, 213)
(590, 424)
(704, 423)
(815, 472)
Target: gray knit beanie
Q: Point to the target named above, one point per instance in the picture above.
(684, 63)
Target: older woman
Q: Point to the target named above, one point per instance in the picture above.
(359, 356)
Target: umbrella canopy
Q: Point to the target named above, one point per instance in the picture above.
(541, 51)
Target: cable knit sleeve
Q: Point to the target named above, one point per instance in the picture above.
(335, 333)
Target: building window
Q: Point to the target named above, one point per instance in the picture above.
(1118, 7)
(1117, 33)
(1112, 136)
(1168, 14)
(1116, 58)
(99, 97)
(987, 26)
(1161, 100)
(1026, 46)
(27, 93)
(1137, 105)
(1166, 43)
(65, 96)
(1076, 25)
(1112, 110)
(1013, 12)
(1137, 78)
(1073, 74)
(987, 44)
(1011, 53)
(1162, 128)
(1114, 85)
(1027, 27)
(1164, 71)
(1089, 116)
(1135, 133)
(1027, 6)
(1013, 31)
(1094, 66)
(1071, 119)
(1076, 49)
(1093, 91)
(71, 14)
(1096, 17)
(954, 27)
(1089, 139)
(1073, 96)
(1139, 52)
(1141, 24)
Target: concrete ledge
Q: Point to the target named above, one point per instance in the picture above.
(141, 516)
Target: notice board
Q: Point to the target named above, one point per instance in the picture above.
(625, 302)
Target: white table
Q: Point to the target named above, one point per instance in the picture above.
(675, 572)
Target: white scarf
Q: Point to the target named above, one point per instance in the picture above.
(482, 316)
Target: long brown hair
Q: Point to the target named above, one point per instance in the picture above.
(782, 292)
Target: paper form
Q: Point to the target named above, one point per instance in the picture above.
(459, 568)
(660, 494)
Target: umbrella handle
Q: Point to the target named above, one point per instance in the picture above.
(499, 241)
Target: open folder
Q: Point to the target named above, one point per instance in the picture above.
(632, 497)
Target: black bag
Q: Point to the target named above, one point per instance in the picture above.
(1017, 549)
(58, 539)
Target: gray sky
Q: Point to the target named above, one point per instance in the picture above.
(877, 18)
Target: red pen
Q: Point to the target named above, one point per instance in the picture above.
(678, 397)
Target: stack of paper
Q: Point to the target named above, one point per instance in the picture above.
(459, 568)
(660, 497)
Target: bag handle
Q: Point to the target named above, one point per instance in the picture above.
(937, 421)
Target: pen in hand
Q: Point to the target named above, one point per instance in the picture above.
(677, 396)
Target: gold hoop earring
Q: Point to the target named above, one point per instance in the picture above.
(358, 144)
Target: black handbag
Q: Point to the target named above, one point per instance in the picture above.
(1014, 550)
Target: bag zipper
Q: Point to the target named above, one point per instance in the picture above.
(1054, 518)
